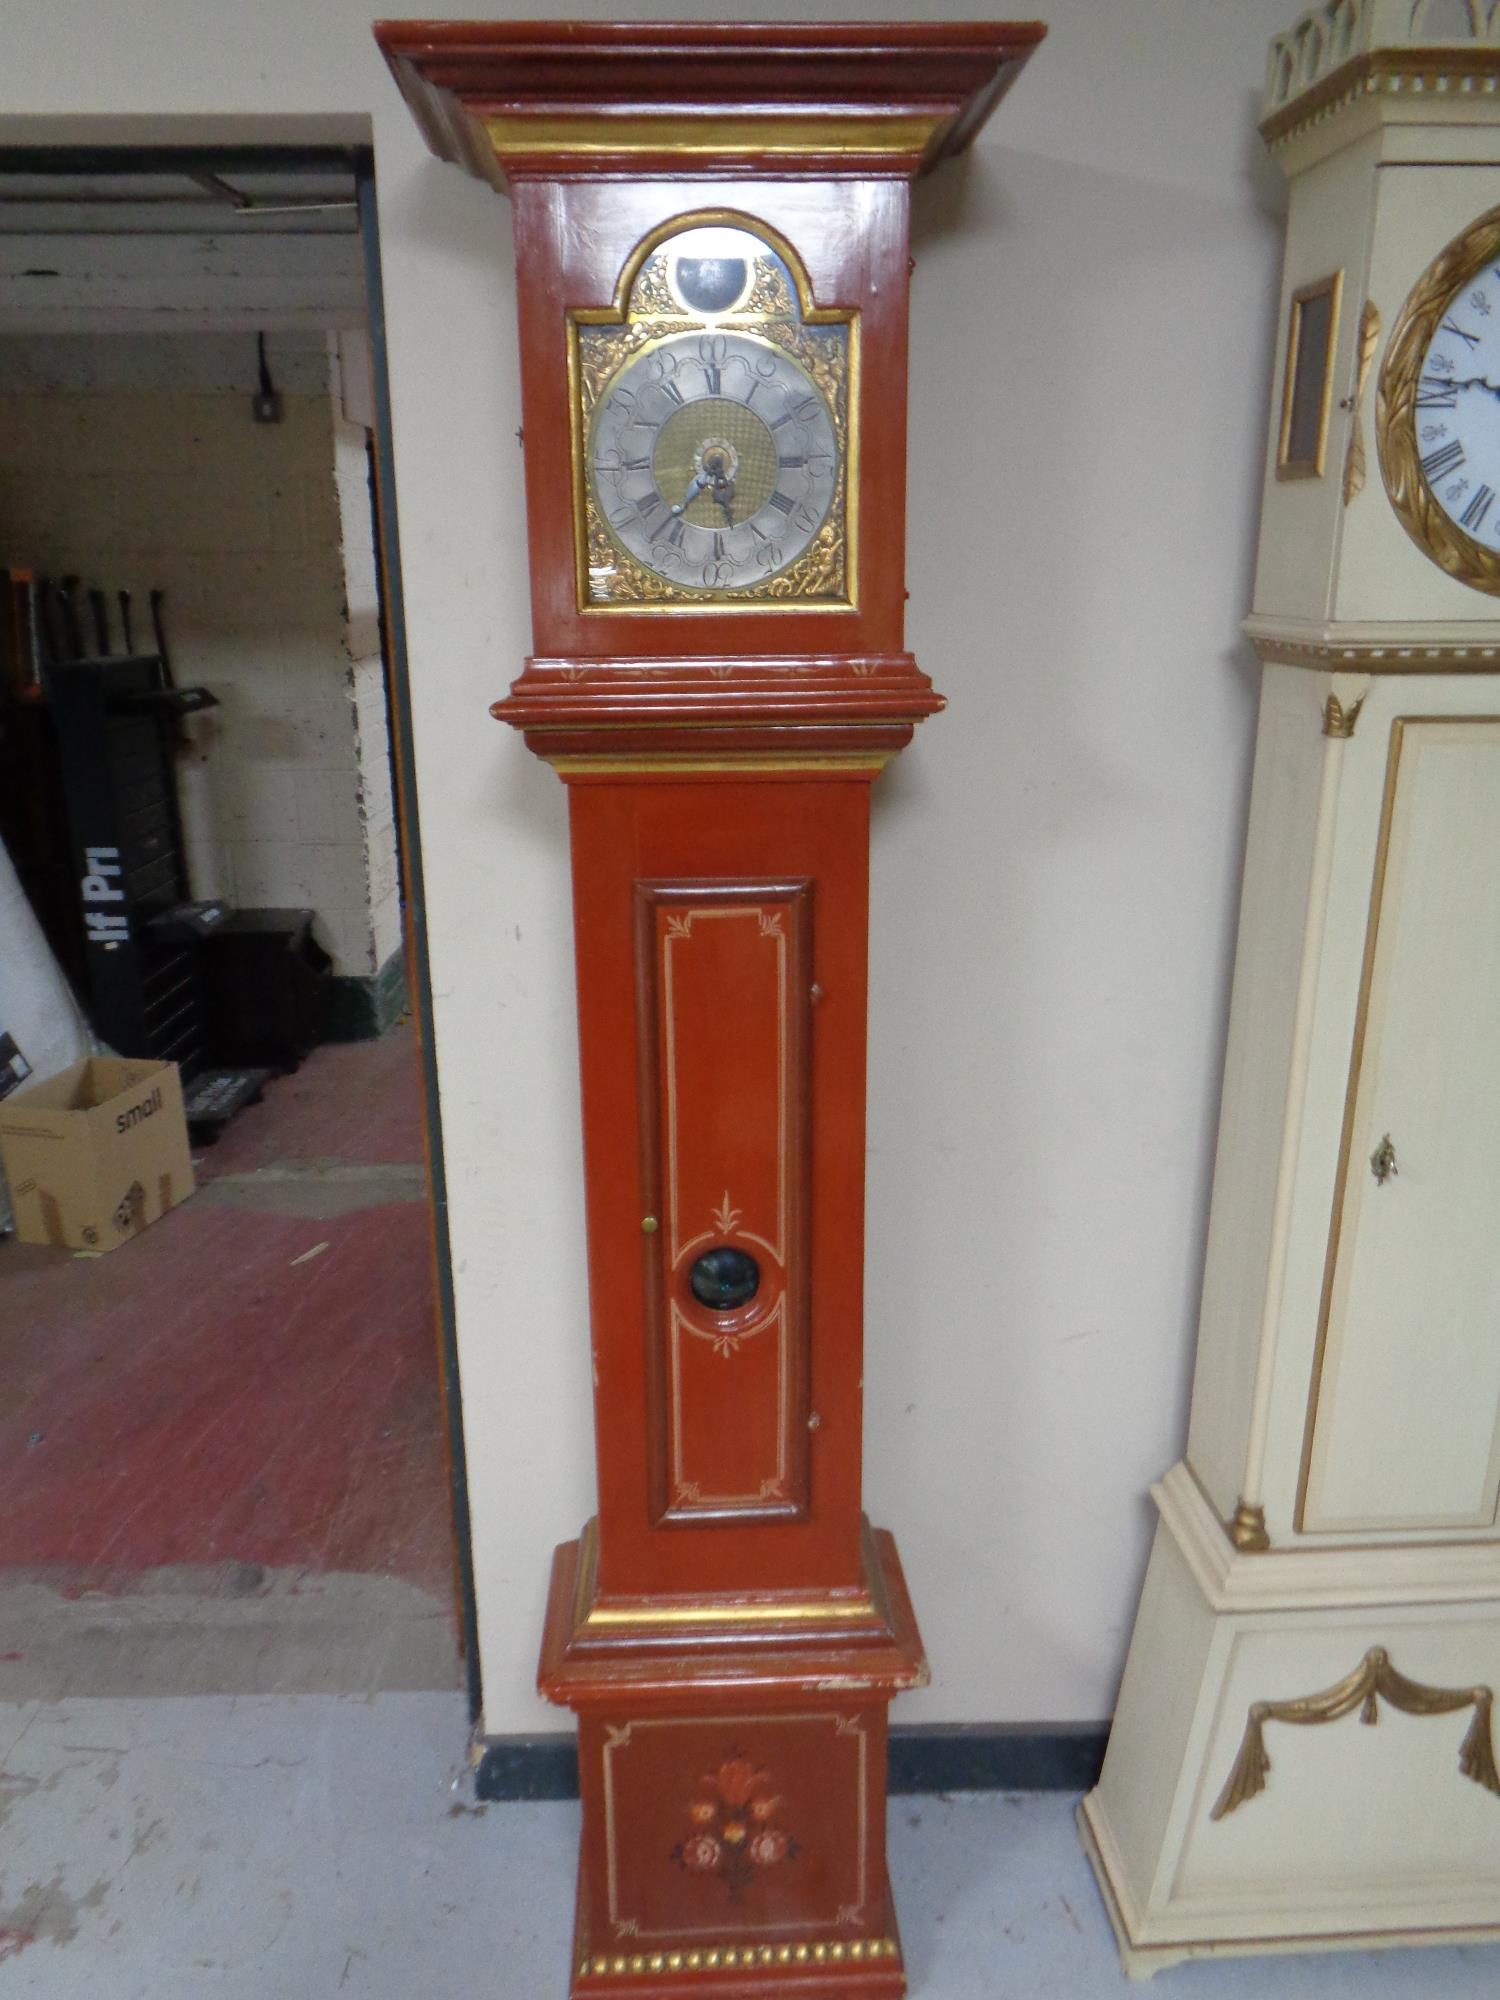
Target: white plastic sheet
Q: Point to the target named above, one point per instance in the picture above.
(37, 1008)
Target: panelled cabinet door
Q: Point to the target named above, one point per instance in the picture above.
(1405, 1421)
(723, 977)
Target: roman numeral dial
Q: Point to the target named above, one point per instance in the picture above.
(1454, 418)
(713, 459)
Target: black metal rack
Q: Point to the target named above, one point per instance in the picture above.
(116, 722)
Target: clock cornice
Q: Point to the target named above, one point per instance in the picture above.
(520, 99)
(1325, 90)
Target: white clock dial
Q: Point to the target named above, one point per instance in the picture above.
(713, 459)
(1457, 410)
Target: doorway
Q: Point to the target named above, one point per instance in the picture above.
(230, 1451)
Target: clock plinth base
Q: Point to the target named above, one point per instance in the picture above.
(1271, 1702)
(733, 1787)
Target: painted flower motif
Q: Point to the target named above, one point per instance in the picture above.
(701, 1852)
(738, 1781)
(735, 1812)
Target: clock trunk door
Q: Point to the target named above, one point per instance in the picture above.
(721, 972)
(1405, 1429)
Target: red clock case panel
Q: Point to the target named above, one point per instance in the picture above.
(721, 931)
(762, 1815)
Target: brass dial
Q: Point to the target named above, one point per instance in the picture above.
(714, 415)
(713, 459)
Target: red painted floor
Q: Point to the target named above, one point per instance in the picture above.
(356, 1101)
(203, 1396)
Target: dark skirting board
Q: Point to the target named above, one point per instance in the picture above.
(941, 1757)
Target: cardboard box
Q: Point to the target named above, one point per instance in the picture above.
(96, 1153)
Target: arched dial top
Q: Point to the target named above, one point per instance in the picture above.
(713, 458)
(715, 408)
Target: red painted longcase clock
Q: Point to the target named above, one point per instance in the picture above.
(711, 226)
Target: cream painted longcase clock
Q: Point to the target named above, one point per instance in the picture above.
(1303, 1753)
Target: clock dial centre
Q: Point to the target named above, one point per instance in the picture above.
(718, 459)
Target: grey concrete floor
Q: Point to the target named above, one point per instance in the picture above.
(233, 1628)
(286, 1847)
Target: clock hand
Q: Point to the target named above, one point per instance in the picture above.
(1477, 382)
(724, 494)
(696, 485)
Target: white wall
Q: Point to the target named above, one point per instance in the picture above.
(132, 461)
(1056, 861)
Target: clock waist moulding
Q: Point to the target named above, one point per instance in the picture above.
(711, 228)
(1302, 1754)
